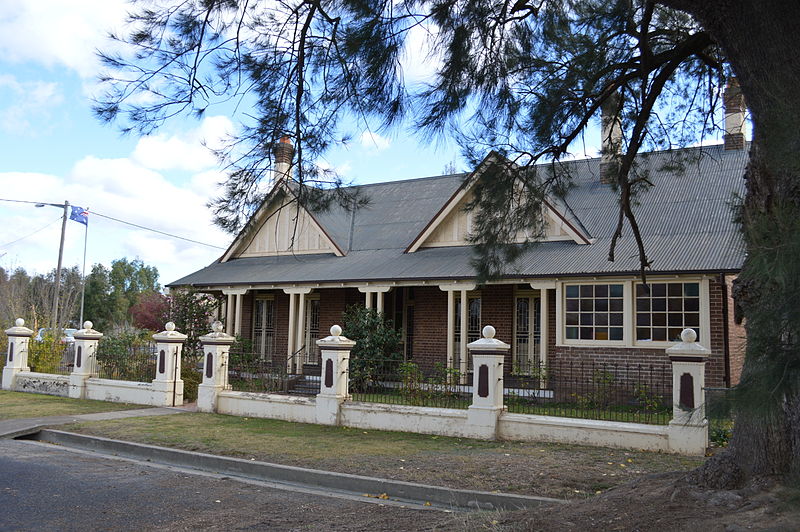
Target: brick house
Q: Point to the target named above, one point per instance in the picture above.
(289, 275)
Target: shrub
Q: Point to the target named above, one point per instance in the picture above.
(377, 351)
(45, 356)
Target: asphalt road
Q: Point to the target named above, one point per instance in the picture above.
(44, 487)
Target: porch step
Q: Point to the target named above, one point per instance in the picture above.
(304, 385)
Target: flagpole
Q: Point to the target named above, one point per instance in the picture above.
(58, 269)
(83, 273)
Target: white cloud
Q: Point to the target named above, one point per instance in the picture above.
(184, 151)
(420, 59)
(55, 32)
(373, 141)
(26, 101)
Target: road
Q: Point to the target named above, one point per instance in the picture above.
(44, 488)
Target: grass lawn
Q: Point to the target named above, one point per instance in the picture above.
(553, 470)
(15, 405)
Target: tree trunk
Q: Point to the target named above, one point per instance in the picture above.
(759, 38)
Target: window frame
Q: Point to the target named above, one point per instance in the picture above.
(629, 312)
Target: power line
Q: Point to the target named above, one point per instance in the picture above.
(116, 220)
(31, 234)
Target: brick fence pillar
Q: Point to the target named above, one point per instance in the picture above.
(216, 347)
(85, 365)
(487, 354)
(19, 337)
(688, 429)
(334, 378)
(168, 383)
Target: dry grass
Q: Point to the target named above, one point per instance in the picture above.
(16, 405)
(553, 470)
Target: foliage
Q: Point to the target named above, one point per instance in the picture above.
(601, 392)
(192, 312)
(111, 293)
(149, 311)
(45, 356)
(127, 355)
(31, 297)
(378, 345)
(191, 380)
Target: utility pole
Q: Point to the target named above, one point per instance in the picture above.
(58, 268)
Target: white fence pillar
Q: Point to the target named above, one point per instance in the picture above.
(168, 384)
(19, 338)
(487, 354)
(688, 429)
(85, 365)
(216, 347)
(334, 381)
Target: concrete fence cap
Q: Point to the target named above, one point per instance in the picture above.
(169, 333)
(488, 342)
(87, 333)
(217, 334)
(336, 339)
(688, 345)
(19, 329)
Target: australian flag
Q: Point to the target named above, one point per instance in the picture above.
(80, 215)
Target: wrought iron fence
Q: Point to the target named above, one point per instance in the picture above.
(398, 382)
(126, 361)
(254, 372)
(639, 393)
(55, 358)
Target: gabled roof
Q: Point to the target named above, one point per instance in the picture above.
(686, 221)
(556, 208)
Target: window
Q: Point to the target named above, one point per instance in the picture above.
(264, 327)
(594, 312)
(663, 310)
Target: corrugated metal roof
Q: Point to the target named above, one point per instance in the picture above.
(685, 219)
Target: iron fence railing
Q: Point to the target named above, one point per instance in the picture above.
(54, 358)
(719, 411)
(640, 393)
(126, 361)
(398, 382)
(257, 373)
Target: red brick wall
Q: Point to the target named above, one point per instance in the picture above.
(430, 326)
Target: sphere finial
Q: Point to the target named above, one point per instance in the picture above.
(489, 332)
(88, 325)
(336, 330)
(170, 326)
(19, 322)
(688, 336)
(217, 326)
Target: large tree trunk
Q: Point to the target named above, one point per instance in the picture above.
(760, 39)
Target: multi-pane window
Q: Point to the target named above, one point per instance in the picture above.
(594, 312)
(264, 327)
(663, 310)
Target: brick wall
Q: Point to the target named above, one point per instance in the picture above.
(430, 326)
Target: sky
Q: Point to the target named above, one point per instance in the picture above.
(53, 150)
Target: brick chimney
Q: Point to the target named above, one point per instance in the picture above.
(735, 125)
(611, 141)
(283, 152)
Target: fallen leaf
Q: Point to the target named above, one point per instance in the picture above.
(427, 504)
